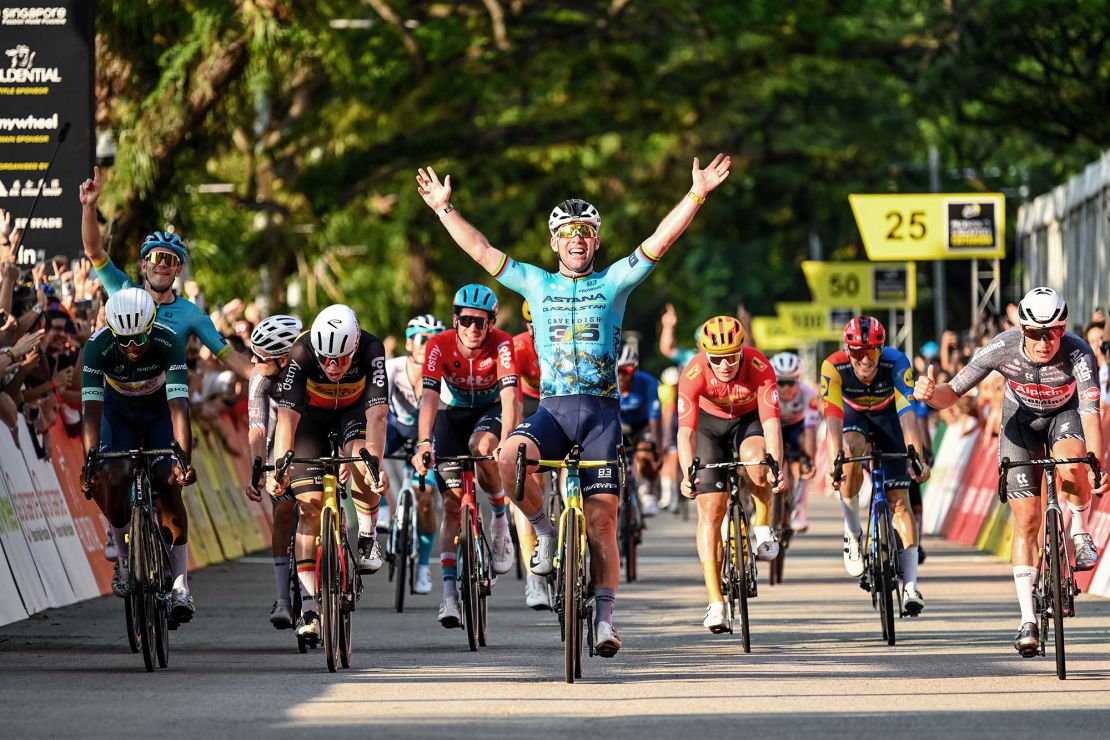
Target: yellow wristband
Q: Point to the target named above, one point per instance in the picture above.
(695, 197)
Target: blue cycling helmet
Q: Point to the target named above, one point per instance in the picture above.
(476, 296)
(164, 240)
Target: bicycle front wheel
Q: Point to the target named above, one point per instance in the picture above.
(1056, 584)
(572, 605)
(628, 540)
(468, 577)
(743, 564)
(400, 560)
(142, 585)
(329, 583)
(883, 577)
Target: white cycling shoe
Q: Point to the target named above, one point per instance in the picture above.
(767, 549)
(912, 601)
(503, 553)
(715, 618)
(450, 616)
(648, 505)
(542, 562)
(853, 556)
(422, 584)
(535, 594)
(608, 640)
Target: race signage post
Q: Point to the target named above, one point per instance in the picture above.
(890, 285)
(46, 84)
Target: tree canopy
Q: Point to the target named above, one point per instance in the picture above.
(317, 115)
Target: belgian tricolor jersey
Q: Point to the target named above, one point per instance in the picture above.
(304, 384)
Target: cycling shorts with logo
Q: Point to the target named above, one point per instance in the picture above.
(454, 427)
(591, 421)
(719, 441)
(884, 431)
(1028, 436)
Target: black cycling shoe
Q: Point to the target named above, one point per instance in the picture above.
(1028, 640)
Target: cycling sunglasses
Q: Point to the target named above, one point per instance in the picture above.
(786, 383)
(569, 231)
(478, 322)
(339, 362)
(262, 359)
(724, 360)
(858, 353)
(134, 339)
(1044, 335)
(158, 256)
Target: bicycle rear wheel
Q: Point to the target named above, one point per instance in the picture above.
(485, 581)
(161, 604)
(572, 631)
(400, 560)
(628, 539)
(328, 575)
(133, 633)
(1056, 588)
(346, 603)
(468, 577)
(742, 563)
(883, 578)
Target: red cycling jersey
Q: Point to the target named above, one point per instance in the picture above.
(528, 363)
(753, 388)
(474, 381)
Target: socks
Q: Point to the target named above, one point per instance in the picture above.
(500, 508)
(542, 523)
(908, 558)
(1024, 577)
(1078, 518)
(450, 574)
(179, 566)
(604, 601)
(850, 509)
(367, 518)
(427, 542)
(281, 577)
(306, 576)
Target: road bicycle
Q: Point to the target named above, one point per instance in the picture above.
(473, 554)
(739, 573)
(783, 515)
(1055, 590)
(630, 522)
(147, 606)
(573, 601)
(338, 584)
(403, 547)
(882, 568)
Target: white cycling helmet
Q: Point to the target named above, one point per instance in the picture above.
(275, 335)
(335, 332)
(629, 356)
(130, 311)
(1043, 308)
(787, 366)
(573, 211)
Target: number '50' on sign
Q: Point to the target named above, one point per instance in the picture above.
(843, 284)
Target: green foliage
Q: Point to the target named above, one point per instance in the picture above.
(321, 130)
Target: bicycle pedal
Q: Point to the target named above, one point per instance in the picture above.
(865, 584)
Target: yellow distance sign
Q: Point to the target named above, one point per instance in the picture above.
(931, 226)
(867, 284)
(771, 335)
(813, 321)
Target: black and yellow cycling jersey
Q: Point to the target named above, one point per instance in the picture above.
(304, 385)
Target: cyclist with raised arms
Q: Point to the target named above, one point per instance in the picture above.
(728, 408)
(135, 394)
(641, 424)
(528, 365)
(1051, 406)
(799, 411)
(577, 313)
(335, 380)
(866, 396)
(405, 390)
(271, 342)
(476, 362)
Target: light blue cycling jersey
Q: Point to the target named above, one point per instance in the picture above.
(182, 315)
(577, 321)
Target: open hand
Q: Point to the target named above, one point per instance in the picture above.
(705, 180)
(435, 193)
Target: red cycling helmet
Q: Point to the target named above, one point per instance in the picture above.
(864, 331)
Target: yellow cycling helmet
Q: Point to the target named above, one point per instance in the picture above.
(526, 311)
(722, 335)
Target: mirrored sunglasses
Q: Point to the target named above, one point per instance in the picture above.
(724, 360)
(1044, 335)
(478, 322)
(569, 231)
(133, 339)
(157, 257)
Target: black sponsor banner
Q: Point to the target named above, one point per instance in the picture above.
(46, 81)
(891, 285)
(972, 224)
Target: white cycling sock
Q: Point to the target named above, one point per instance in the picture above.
(666, 491)
(1078, 518)
(850, 509)
(762, 534)
(179, 566)
(1024, 577)
(908, 558)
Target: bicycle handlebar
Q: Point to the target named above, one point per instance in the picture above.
(364, 456)
(94, 456)
(572, 460)
(1050, 462)
(767, 460)
(875, 457)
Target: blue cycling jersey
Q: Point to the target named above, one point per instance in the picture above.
(641, 404)
(577, 321)
(181, 315)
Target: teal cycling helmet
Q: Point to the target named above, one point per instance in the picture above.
(476, 296)
(424, 324)
(163, 240)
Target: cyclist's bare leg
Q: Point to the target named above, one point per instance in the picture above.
(175, 521)
(854, 445)
(605, 559)
(452, 499)
(1072, 484)
(711, 512)
(281, 530)
(753, 449)
(426, 509)
(112, 495)
(367, 503)
(1025, 551)
(310, 504)
(905, 525)
(532, 505)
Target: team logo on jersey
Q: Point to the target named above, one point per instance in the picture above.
(825, 381)
(758, 364)
(505, 354)
(1091, 394)
(1042, 396)
(907, 378)
(694, 371)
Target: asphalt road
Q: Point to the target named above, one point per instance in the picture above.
(817, 666)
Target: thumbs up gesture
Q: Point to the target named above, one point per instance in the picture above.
(925, 385)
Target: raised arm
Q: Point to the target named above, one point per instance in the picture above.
(437, 194)
(89, 193)
(675, 222)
